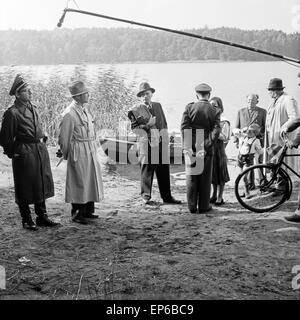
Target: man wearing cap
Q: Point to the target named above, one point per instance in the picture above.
(78, 146)
(200, 115)
(23, 141)
(281, 111)
(153, 144)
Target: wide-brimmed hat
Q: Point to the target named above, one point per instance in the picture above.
(77, 88)
(203, 87)
(18, 83)
(275, 84)
(144, 86)
(255, 128)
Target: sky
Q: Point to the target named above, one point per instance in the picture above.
(176, 14)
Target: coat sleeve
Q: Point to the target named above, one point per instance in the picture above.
(291, 107)
(66, 133)
(8, 132)
(186, 124)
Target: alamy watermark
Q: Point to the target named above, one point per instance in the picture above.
(296, 278)
(2, 278)
(154, 147)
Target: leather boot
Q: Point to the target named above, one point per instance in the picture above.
(28, 224)
(44, 221)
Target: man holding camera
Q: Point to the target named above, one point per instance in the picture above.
(23, 141)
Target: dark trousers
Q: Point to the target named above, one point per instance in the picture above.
(198, 188)
(83, 208)
(39, 208)
(162, 172)
(156, 160)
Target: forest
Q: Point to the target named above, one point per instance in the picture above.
(121, 45)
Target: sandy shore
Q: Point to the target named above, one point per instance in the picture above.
(139, 252)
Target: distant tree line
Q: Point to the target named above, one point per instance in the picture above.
(102, 45)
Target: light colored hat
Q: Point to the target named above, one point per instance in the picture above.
(77, 88)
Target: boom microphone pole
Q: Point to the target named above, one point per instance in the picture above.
(232, 44)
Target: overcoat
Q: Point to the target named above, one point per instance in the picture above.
(281, 112)
(21, 137)
(79, 148)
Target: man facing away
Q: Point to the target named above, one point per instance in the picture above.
(153, 143)
(77, 143)
(23, 141)
(200, 115)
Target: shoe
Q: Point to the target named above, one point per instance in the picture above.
(294, 218)
(243, 195)
(44, 221)
(146, 201)
(219, 203)
(172, 201)
(213, 200)
(277, 193)
(29, 225)
(91, 216)
(208, 209)
(78, 218)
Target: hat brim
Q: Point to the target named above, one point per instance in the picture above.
(273, 89)
(79, 93)
(139, 93)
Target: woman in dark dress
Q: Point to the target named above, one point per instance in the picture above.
(220, 171)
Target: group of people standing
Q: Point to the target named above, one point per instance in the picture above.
(23, 141)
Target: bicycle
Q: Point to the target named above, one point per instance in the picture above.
(261, 197)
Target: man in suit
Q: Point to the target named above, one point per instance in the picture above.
(200, 115)
(23, 140)
(249, 115)
(148, 121)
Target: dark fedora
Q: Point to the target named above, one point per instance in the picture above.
(144, 86)
(275, 84)
(18, 83)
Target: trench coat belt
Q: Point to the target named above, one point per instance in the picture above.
(31, 140)
(84, 140)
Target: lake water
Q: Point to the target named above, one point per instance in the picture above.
(175, 82)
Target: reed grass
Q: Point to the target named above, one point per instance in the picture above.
(110, 97)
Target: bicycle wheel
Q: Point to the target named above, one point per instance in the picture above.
(261, 197)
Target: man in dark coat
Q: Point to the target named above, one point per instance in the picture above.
(200, 115)
(23, 141)
(149, 122)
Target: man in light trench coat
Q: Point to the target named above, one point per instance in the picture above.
(77, 142)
